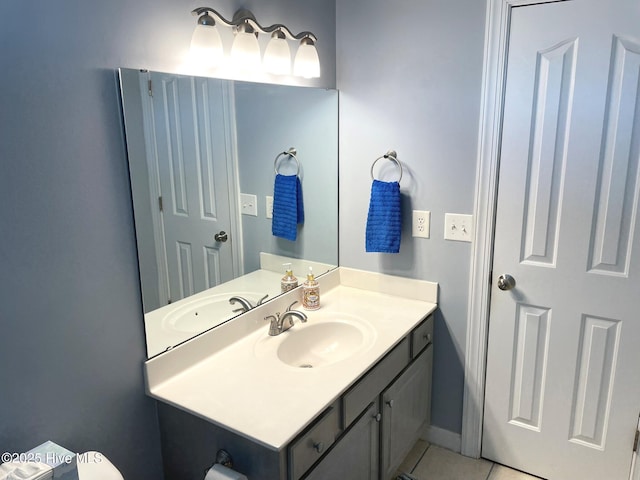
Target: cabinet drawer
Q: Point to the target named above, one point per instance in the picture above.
(374, 381)
(421, 336)
(312, 444)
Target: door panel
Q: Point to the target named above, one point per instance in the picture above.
(618, 185)
(190, 132)
(562, 398)
(551, 106)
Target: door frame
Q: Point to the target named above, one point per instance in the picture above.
(498, 19)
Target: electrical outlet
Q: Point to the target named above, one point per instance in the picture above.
(249, 204)
(269, 206)
(458, 227)
(421, 223)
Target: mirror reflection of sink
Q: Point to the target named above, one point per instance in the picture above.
(324, 343)
(201, 314)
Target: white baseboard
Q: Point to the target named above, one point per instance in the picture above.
(442, 438)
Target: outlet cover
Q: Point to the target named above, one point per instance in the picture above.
(249, 204)
(458, 227)
(269, 206)
(421, 223)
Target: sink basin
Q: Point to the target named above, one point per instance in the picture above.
(199, 315)
(318, 344)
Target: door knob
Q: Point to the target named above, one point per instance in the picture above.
(506, 282)
(221, 237)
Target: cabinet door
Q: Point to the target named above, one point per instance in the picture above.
(405, 411)
(355, 455)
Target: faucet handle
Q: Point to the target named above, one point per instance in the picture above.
(289, 307)
(262, 300)
(274, 327)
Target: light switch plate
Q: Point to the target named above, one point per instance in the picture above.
(249, 204)
(458, 227)
(421, 223)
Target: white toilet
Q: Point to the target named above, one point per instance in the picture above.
(95, 466)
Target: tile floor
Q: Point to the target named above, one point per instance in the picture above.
(429, 462)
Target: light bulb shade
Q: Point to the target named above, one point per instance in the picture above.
(277, 57)
(206, 45)
(306, 63)
(245, 51)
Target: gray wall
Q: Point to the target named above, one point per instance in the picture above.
(409, 75)
(70, 305)
(270, 120)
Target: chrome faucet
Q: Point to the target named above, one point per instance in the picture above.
(245, 304)
(282, 323)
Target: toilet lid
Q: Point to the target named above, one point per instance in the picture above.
(95, 466)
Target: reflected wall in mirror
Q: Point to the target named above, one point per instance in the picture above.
(202, 157)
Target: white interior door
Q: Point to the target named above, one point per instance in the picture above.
(191, 128)
(562, 389)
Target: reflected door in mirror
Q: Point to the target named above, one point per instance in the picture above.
(187, 131)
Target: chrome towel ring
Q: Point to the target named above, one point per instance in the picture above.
(291, 153)
(390, 155)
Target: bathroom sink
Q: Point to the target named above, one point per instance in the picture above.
(323, 343)
(199, 315)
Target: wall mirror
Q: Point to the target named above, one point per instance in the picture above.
(203, 155)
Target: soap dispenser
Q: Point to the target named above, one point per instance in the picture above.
(310, 292)
(289, 281)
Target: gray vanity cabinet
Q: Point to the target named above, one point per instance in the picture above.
(363, 435)
(398, 392)
(355, 456)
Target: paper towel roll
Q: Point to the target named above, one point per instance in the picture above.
(220, 472)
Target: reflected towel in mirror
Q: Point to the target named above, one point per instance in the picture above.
(384, 220)
(288, 207)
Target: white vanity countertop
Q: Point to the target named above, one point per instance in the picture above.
(254, 394)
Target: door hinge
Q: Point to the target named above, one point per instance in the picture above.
(635, 441)
(150, 87)
(160, 205)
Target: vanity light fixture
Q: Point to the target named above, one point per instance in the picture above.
(277, 56)
(245, 52)
(206, 43)
(307, 63)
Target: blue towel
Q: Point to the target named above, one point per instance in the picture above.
(384, 221)
(288, 209)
